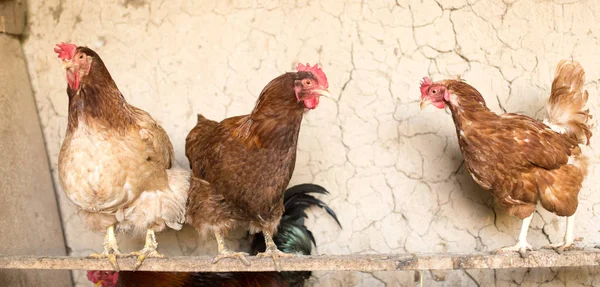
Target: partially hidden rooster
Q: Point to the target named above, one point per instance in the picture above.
(116, 162)
(241, 166)
(292, 237)
(521, 160)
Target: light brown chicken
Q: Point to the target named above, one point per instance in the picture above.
(521, 160)
(116, 163)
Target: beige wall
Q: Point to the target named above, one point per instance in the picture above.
(391, 168)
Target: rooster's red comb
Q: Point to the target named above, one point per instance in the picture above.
(425, 85)
(65, 51)
(321, 78)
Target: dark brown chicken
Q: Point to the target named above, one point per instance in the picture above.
(116, 162)
(242, 165)
(523, 161)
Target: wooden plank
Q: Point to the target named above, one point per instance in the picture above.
(391, 262)
(12, 16)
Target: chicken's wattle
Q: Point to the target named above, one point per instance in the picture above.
(311, 102)
(73, 79)
(439, 105)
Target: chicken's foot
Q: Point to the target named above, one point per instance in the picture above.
(569, 239)
(521, 246)
(224, 252)
(272, 251)
(111, 249)
(149, 250)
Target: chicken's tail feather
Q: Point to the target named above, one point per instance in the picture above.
(179, 182)
(297, 199)
(292, 235)
(156, 208)
(566, 106)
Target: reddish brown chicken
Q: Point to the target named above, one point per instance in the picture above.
(523, 161)
(116, 162)
(242, 165)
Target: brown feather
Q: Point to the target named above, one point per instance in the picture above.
(521, 160)
(242, 165)
(567, 102)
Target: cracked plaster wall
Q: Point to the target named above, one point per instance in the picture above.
(394, 172)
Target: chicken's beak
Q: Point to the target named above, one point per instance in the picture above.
(67, 65)
(325, 93)
(99, 283)
(425, 103)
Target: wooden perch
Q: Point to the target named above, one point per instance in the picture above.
(375, 262)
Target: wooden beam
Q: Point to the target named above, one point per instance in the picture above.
(391, 262)
(12, 16)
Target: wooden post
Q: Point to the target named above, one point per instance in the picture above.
(12, 16)
(30, 221)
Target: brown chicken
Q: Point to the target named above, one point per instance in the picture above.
(242, 165)
(519, 159)
(116, 162)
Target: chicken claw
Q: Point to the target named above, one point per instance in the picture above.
(521, 246)
(275, 253)
(111, 249)
(241, 256)
(566, 245)
(111, 255)
(143, 254)
(560, 247)
(149, 250)
(569, 240)
(224, 252)
(272, 251)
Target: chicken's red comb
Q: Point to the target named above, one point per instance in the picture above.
(425, 85)
(65, 51)
(321, 78)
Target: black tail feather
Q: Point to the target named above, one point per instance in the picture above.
(297, 199)
(292, 235)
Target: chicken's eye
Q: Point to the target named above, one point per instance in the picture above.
(81, 57)
(308, 82)
(434, 91)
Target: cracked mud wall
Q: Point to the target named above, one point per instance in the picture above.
(394, 172)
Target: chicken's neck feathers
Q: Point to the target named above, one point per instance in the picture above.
(270, 132)
(276, 118)
(99, 102)
(467, 105)
(107, 109)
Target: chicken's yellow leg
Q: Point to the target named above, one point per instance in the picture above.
(111, 249)
(272, 251)
(149, 249)
(224, 252)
